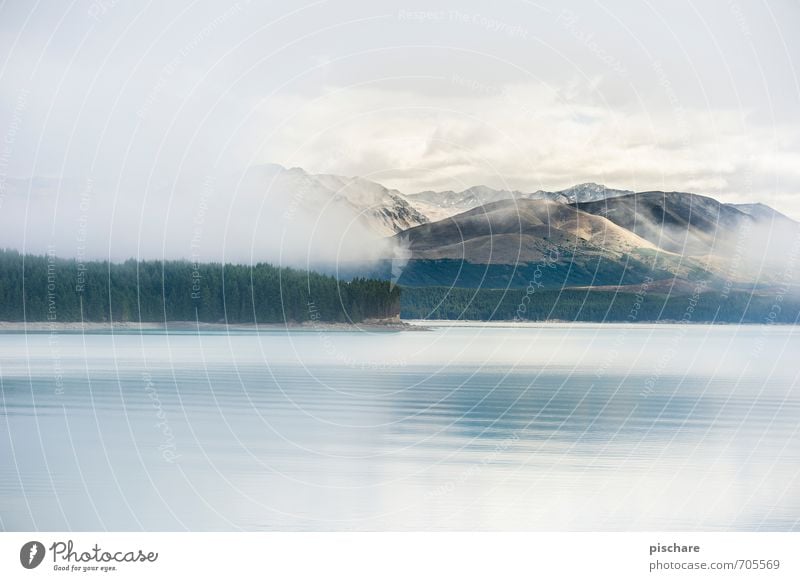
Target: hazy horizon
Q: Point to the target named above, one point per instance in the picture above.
(135, 107)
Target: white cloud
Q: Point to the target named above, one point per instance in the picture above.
(529, 136)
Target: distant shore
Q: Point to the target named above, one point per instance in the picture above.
(373, 325)
(512, 324)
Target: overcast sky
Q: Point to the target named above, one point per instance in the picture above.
(692, 96)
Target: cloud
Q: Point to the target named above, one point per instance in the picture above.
(532, 136)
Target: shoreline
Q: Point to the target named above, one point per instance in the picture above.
(374, 325)
(512, 324)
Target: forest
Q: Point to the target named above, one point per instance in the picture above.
(48, 288)
(598, 305)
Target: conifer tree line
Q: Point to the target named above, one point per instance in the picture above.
(599, 306)
(47, 288)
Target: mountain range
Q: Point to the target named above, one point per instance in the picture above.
(442, 204)
(386, 211)
(586, 235)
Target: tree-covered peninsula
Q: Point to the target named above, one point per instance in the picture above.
(48, 288)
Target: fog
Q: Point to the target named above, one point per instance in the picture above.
(766, 252)
(262, 214)
(155, 109)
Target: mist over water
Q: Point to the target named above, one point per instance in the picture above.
(548, 427)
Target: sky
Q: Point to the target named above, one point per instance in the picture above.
(125, 103)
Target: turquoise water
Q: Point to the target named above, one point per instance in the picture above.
(554, 427)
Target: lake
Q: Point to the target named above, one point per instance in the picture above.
(462, 427)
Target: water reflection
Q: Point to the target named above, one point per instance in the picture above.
(558, 427)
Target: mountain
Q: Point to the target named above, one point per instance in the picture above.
(687, 224)
(383, 211)
(440, 205)
(512, 231)
(588, 192)
(585, 235)
(738, 241)
(466, 199)
(673, 238)
(514, 242)
(764, 213)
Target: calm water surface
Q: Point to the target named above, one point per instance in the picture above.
(574, 427)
